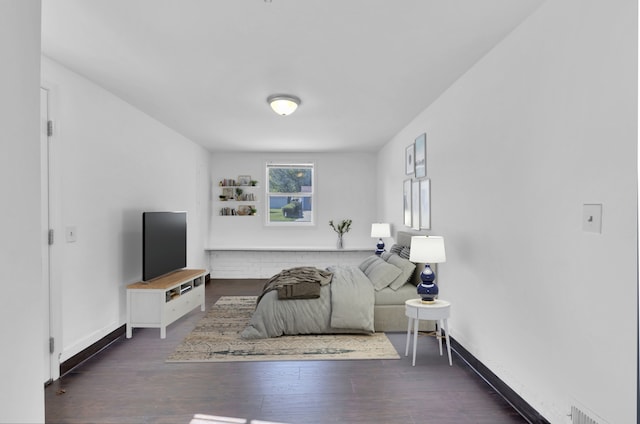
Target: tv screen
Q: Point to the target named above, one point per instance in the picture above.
(164, 243)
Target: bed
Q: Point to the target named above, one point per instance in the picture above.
(362, 298)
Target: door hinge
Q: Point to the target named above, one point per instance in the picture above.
(49, 128)
(50, 237)
(51, 345)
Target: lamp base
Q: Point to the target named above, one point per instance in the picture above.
(380, 247)
(428, 290)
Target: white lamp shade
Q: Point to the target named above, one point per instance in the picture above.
(427, 249)
(380, 230)
(283, 105)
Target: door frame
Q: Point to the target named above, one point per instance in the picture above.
(50, 213)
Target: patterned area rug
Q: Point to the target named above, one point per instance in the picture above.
(216, 338)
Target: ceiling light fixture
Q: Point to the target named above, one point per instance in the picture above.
(283, 104)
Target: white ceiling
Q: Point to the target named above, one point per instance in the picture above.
(363, 68)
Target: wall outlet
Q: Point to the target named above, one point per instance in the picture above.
(592, 218)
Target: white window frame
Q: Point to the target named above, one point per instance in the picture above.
(310, 194)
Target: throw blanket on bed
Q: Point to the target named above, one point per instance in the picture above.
(297, 283)
(344, 306)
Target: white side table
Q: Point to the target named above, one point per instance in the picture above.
(438, 311)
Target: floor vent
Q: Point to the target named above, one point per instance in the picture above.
(580, 417)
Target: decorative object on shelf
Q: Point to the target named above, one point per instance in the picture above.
(283, 104)
(421, 156)
(244, 180)
(227, 182)
(227, 192)
(341, 229)
(253, 183)
(239, 192)
(427, 250)
(246, 210)
(380, 230)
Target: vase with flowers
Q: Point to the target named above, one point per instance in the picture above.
(342, 228)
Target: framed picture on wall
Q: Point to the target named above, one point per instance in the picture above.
(425, 204)
(406, 198)
(415, 205)
(409, 155)
(420, 158)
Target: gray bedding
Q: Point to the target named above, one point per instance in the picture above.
(344, 306)
(347, 304)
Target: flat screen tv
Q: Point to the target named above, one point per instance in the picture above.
(164, 243)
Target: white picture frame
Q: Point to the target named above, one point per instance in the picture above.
(244, 180)
(415, 204)
(409, 156)
(420, 156)
(425, 204)
(406, 198)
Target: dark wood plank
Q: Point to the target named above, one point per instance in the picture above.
(129, 382)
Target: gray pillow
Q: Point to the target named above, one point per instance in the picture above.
(367, 261)
(396, 248)
(381, 273)
(407, 268)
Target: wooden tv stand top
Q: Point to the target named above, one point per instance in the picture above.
(165, 281)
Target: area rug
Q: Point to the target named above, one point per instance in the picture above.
(216, 338)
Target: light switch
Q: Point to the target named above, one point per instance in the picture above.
(592, 218)
(72, 234)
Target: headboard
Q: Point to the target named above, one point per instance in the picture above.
(403, 238)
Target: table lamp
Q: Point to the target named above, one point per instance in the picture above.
(427, 250)
(380, 230)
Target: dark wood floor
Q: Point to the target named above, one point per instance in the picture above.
(129, 382)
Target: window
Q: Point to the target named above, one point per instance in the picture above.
(290, 194)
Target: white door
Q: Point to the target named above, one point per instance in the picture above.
(44, 225)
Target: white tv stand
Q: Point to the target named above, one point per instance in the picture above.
(159, 302)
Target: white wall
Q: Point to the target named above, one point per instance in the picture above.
(111, 162)
(543, 124)
(345, 188)
(22, 312)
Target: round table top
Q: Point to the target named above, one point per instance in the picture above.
(417, 303)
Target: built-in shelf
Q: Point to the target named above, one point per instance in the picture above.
(290, 248)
